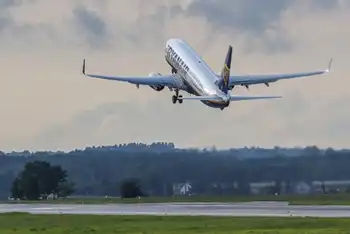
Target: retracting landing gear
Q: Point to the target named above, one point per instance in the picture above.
(176, 97)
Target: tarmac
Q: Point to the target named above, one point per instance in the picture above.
(272, 209)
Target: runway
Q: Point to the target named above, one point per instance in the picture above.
(272, 209)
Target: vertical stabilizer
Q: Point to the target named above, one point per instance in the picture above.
(225, 72)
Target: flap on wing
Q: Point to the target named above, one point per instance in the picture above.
(166, 80)
(269, 78)
(158, 80)
(258, 79)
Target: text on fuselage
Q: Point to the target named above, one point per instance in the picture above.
(176, 59)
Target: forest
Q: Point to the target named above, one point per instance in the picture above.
(98, 171)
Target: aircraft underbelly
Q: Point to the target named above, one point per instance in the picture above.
(215, 104)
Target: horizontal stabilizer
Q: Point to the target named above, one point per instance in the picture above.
(232, 98)
(243, 98)
(201, 98)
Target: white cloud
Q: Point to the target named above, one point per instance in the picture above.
(47, 104)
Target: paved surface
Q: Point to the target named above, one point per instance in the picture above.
(212, 209)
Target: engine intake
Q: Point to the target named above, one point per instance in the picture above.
(157, 88)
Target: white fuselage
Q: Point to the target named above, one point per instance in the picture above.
(196, 74)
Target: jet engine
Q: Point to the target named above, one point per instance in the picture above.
(156, 87)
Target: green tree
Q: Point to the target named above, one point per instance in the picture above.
(65, 189)
(130, 188)
(40, 179)
(16, 189)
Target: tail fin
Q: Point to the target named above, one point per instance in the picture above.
(225, 72)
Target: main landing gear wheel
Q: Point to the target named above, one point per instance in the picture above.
(176, 97)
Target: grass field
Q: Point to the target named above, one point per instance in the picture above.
(78, 224)
(320, 199)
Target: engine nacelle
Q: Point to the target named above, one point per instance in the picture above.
(156, 87)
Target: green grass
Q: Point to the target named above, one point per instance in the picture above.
(78, 224)
(319, 199)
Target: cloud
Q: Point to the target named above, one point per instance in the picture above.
(9, 3)
(258, 21)
(47, 104)
(250, 18)
(245, 16)
(4, 23)
(92, 26)
(5, 20)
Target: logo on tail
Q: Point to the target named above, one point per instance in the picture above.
(225, 72)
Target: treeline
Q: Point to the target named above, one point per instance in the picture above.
(100, 172)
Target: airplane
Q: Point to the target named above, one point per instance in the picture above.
(191, 74)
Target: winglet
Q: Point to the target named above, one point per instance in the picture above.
(330, 65)
(83, 67)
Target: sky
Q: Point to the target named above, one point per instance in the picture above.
(46, 103)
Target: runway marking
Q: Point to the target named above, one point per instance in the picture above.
(52, 208)
(185, 209)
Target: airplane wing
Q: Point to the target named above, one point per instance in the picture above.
(232, 98)
(163, 80)
(247, 80)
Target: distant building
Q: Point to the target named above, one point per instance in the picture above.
(331, 186)
(261, 187)
(302, 188)
(182, 188)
